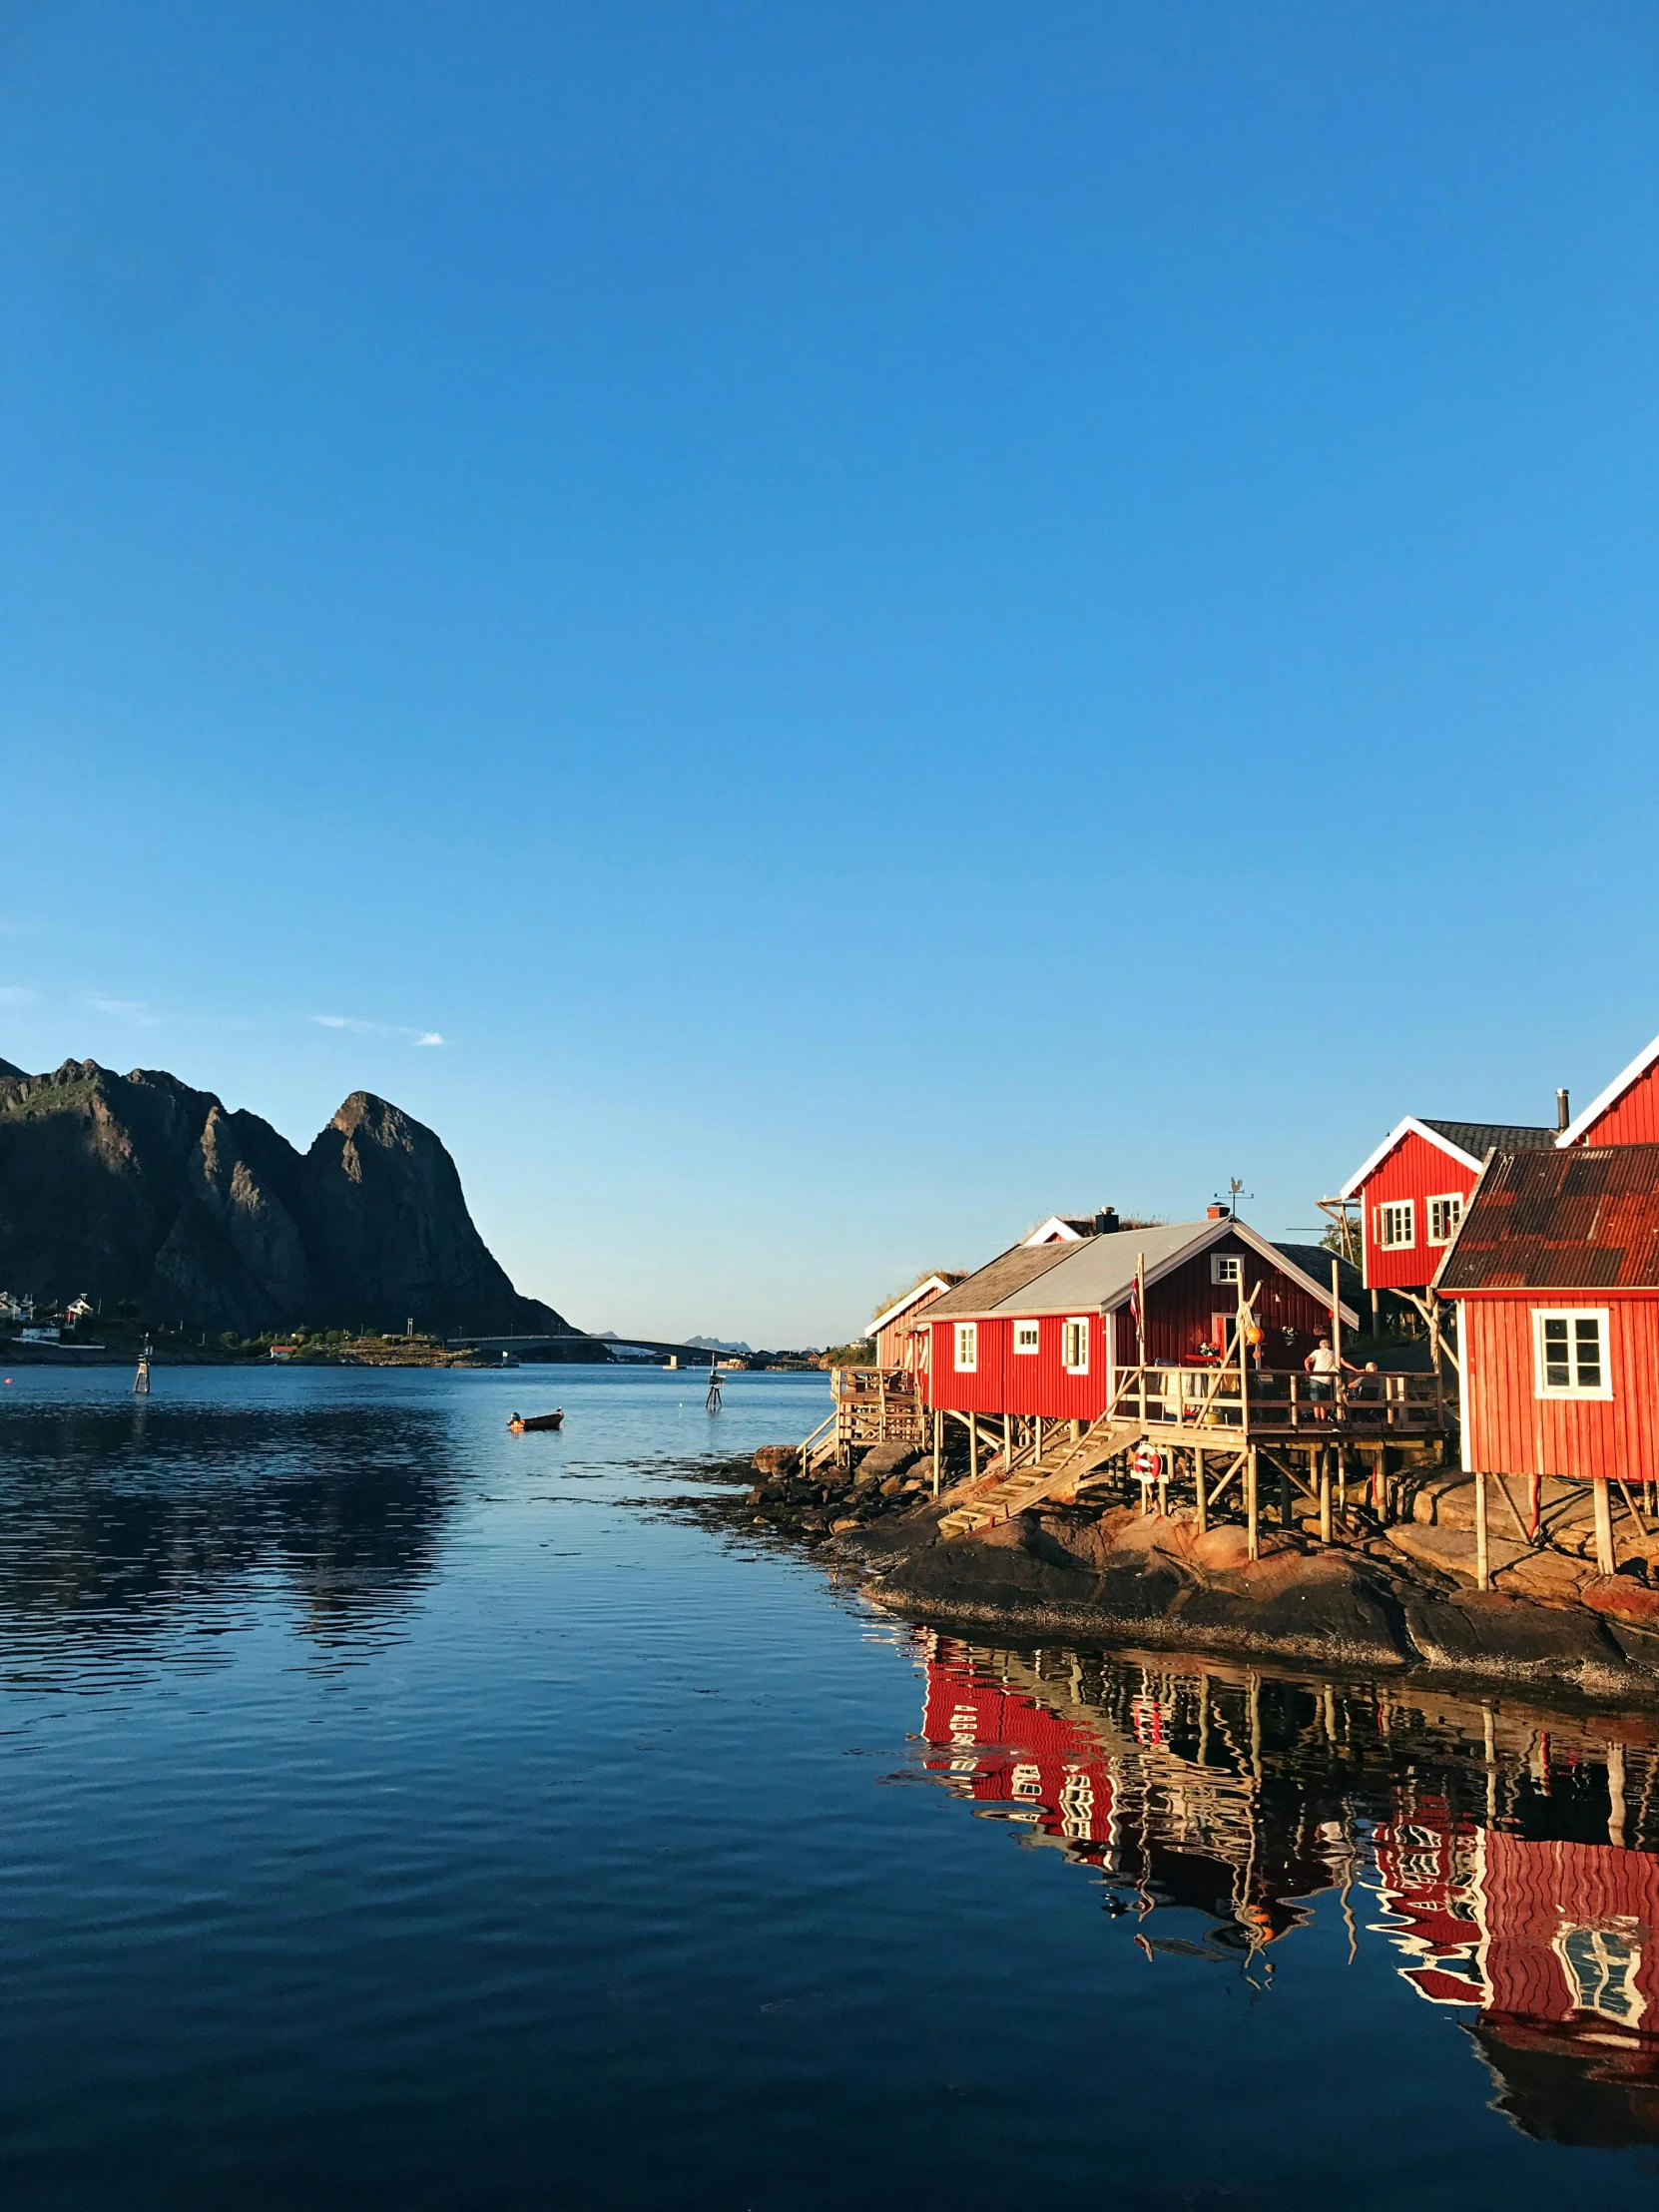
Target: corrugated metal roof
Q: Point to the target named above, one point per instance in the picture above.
(1587, 1219)
(1009, 1272)
(1477, 1138)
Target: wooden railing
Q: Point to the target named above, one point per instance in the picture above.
(875, 1405)
(1270, 1403)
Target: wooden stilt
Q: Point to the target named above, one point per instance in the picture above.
(1164, 1458)
(938, 1434)
(1285, 1512)
(1253, 1523)
(1007, 1441)
(1203, 1513)
(1615, 1793)
(1037, 1455)
(1606, 1557)
(974, 1447)
(1325, 1497)
(1482, 1559)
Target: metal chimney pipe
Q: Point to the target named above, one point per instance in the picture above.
(1563, 1114)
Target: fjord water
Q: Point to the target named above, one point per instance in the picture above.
(400, 1812)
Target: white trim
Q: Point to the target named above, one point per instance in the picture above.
(1378, 1213)
(1035, 1324)
(967, 1339)
(1611, 1095)
(1056, 1230)
(932, 1282)
(1440, 1198)
(1466, 1449)
(1574, 1390)
(1226, 1260)
(1075, 1321)
(1409, 1127)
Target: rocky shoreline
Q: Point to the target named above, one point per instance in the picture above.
(1401, 1598)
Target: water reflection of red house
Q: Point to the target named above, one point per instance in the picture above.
(1556, 1946)
(1006, 1749)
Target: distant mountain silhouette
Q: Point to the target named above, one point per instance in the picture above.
(135, 1187)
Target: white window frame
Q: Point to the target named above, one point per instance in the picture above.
(1445, 1198)
(1574, 1389)
(965, 1335)
(1028, 1337)
(1227, 1268)
(1380, 1224)
(1079, 1321)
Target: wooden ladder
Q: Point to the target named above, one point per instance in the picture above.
(1026, 1487)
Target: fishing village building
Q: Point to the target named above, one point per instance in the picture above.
(1555, 1278)
(1627, 1112)
(1413, 1190)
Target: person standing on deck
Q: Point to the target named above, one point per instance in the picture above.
(1324, 1364)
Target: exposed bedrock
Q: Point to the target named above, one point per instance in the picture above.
(1153, 1580)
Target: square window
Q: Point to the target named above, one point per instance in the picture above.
(967, 1346)
(1226, 1266)
(1397, 1225)
(1074, 1346)
(1027, 1335)
(1443, 1216)
(1570, 1353)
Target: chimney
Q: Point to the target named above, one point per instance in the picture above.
(1563, 1113)
(1106, 1222)
(1217, 1213)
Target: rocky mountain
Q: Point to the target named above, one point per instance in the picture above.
(135, 1187)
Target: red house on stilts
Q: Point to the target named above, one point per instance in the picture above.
(1413, 1190)
(1555, 1277)
(1042, 1329)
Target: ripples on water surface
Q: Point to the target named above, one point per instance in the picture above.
(398, 1812)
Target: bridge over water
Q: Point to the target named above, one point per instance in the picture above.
(574, 1345)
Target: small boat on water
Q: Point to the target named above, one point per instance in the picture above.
(521, 1421)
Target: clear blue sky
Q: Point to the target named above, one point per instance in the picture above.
(886, 618)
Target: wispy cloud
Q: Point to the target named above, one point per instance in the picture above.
(18, 994)
(379, 1029)
(137, 1011)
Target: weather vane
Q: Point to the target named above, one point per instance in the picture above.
(1235, 1191)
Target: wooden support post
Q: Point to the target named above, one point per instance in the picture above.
(1037, 1455)
(1325, 1497)
(974, 1447)
(1007, 1441)
(939, 1434)
(1203, 1516)
(1375, 1317)
(1286, 1510)
(1163, 1484)
(1482, 1554)
(1253, 1523)
(1607, 1559)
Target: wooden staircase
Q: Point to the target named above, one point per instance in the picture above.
(1009, 1494)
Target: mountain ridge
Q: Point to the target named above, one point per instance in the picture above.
(139, 1189)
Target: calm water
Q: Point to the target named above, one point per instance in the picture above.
(402, 1812)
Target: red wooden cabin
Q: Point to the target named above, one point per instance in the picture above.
(899, 1332)
(1627, 1111)
(1555, 1276)
(1413, 1189)
(1041, 1329)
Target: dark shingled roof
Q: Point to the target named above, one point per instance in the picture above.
(999, 1279)
(1314, 1260)
(1582, 1220)
(1477, 1138)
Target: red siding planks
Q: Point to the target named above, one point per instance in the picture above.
(1633, 1118)
(1007, 1381)
(1418, 1171)
(1513, 1431)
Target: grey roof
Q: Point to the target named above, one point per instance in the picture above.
(1477, 1138)
(1009, 1272)
(1314, 1260)
(1099, 1272)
